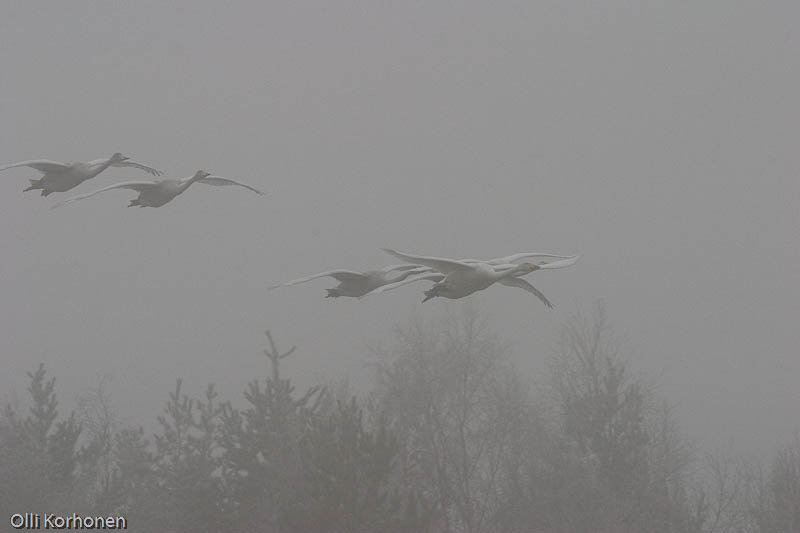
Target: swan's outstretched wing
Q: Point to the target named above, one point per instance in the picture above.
(527, 255)
(42, 165)
(522, 284)
(134, 164)
(445, 266)
(401, 268)
(216, 180)
(569, 261)
(138, 186)
(340, 275)
(435, 277)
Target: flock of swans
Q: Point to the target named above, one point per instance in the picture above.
(452, 278)
(62, 177)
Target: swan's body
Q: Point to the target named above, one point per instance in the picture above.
(356, 284)
(158, 193)
(457, 279)
(473, 277)
(61, 177)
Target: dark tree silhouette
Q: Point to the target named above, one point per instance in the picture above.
(40, 455)
(451, 439)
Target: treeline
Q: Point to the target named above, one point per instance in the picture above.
(450, 439)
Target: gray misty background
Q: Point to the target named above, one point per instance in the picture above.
(658, 140)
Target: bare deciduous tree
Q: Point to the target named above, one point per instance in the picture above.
(441, 388)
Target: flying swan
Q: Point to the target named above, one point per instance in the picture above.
(61, 177)
(456, 279)
(158, 193)
(514, 281)
(356, 284)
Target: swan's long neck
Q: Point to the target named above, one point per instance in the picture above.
(101, 167)
(186, 184)
(519, 269)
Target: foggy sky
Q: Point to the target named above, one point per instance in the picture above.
(658, 141)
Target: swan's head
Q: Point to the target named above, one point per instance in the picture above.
(118, 158)
(200, 174)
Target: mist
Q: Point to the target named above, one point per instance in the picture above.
(656, 141)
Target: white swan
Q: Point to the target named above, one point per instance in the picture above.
(462, 278)
(431, 275)
(513, 281)
(158, 193)
(356, 284)
(61, 177)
